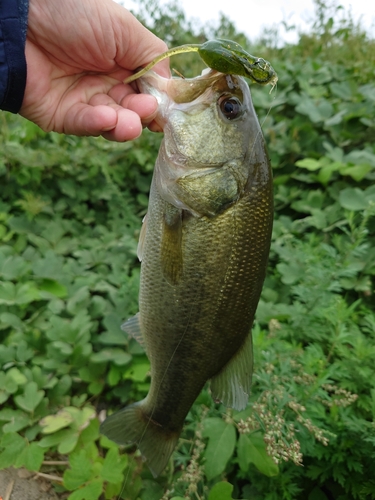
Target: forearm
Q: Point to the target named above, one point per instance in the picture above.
(13, 27)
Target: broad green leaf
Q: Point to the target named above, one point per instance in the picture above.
(31, 397)
(221, 491)
(56, 438)
(357, 172)
(138, 370)
(91, 491)
(80, 470)
(251, 449)
(26, 293)
(116, 355)
(309, 163)
(53, 287)
(33, 457)
(16, 376)
(53, 423)
(353, 199)
(91, 432)
(9, 319)
(69, 443)
(81, 417)
(17, 423)
(221, 444)
(24, 353)
(292, 272)
(7, 293)
(11, 446)
(113, 466)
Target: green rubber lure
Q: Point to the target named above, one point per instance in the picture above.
(222, 55)
(231, 59)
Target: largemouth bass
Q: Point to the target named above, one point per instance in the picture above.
(204, 247)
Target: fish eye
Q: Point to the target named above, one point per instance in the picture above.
(230, 107)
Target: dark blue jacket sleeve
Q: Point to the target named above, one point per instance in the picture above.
(13, 27)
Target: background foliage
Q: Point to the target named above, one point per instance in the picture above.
(70, 214)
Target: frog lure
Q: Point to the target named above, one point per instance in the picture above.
(224, 56)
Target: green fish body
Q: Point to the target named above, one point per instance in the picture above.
(204, 247)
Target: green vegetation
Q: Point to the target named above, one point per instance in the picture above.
(70, 215)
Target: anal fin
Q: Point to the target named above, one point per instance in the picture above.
(232, 384)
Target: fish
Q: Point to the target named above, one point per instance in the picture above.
(204, 248)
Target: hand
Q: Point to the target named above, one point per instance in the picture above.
(77, 53)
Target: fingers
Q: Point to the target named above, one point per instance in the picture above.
(137, 45)
(117, 120)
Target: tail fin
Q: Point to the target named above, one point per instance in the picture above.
(132, 425)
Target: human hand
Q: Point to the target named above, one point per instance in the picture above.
(77, 53)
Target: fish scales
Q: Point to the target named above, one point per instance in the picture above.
(204, 251)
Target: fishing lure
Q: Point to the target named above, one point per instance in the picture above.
(222, 55)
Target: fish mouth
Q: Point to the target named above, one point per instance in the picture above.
(175, 90)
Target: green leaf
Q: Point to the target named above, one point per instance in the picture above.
(81, 417)
(7, 293)
(91, 432)
(33, 457)
(116, 355)
(19, 421)
(91, 491)
(9, 319)
(31, 397)
(16, 376)
(252, 449)
(53, 423)
(80, 471)
(69, 443)
(138, 369)
(353, 199)
(55, 438)
(221, 491)
(357, 172)
(53, 287)
(13, 445)
(309, 163)
(113, 466)
(220, 448)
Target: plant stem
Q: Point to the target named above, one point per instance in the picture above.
(194, 47)
(51, 477)
(55, 462)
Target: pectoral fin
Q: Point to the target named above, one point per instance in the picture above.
(142, 236)
(171, 245)
(133, 327)
(232, 384)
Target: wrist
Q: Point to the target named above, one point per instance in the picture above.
(13, 26)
